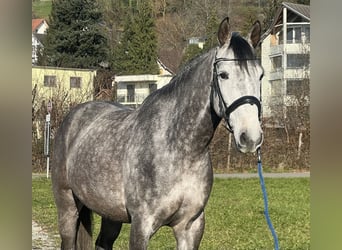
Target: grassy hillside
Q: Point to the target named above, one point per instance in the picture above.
(41, 9)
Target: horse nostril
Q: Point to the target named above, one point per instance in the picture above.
(243, 138)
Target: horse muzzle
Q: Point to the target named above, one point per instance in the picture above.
(247, 142)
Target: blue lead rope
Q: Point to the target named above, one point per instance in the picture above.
(267, 216)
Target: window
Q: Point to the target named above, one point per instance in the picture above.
(289, 35)
(298, 87)
(152, 87)
(293, 87)
(121, 98)
(276, 62)
(130, 93)
(307, 34)
(297, 34)
(294, 35)
(49, 81)
(75, 82)
(298, 60)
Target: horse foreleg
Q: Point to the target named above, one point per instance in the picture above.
(110, 230)
(141, 231)
(189, 233)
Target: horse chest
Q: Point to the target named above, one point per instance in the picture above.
(170, 199)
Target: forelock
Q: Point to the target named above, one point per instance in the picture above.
(242, 50)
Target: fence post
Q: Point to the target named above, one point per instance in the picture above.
(47, 138)
(229, 148)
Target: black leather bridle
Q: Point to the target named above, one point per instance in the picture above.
(238, 102)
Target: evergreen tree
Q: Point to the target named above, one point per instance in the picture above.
(75, 37)
(269, 12)
(211, 31)
(137, 52)
(191, 51)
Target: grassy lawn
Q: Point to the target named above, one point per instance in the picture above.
(41, 9)
(234, 215)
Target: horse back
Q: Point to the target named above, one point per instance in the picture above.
(80, 118)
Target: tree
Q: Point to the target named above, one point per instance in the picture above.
(211, 26)
(191, 52)
(75, 37)
(211, 31)
(137, 51)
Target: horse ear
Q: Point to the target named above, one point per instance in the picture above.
(223, 33)
(255, 34)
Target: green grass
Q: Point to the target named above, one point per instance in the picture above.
(234, 215)
(41, 9)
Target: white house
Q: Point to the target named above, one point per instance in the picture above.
(39, 28)
(199, 41)
(285, 57)
(132, 90)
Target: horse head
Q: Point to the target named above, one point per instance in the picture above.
(236, 88)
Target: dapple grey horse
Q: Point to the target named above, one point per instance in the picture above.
(151, 166)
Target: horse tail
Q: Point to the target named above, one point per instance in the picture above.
(84, 229)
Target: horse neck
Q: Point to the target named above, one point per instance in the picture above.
(184, 107)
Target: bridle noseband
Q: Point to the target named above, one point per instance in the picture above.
(238, 102)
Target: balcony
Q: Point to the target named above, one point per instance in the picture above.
(276, 50)
(297, 48)
(297, 73)
(290, 73)
(131, 100)
(276, 75)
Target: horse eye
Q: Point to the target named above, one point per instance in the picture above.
(224, 75)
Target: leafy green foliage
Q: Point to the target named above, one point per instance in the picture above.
(75, 38)
(193, 18)
(191, 52)
(211, 31)
(234, 215)
(137, 52)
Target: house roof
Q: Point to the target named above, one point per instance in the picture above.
(295, 11)
(299, 9)
(165, 67)
(36, 23)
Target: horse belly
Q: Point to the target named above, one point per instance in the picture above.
(105, 198)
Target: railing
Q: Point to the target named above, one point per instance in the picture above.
(131, 99)
(276, 75)
(276, 50)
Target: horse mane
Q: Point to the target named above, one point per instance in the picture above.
(185, 77)
(243, 51)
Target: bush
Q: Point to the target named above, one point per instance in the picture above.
(279, 151)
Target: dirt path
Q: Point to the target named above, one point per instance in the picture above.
(41, 239)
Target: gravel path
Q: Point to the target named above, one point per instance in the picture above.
(41, 239)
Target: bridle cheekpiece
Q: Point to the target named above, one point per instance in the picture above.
(238, 102)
